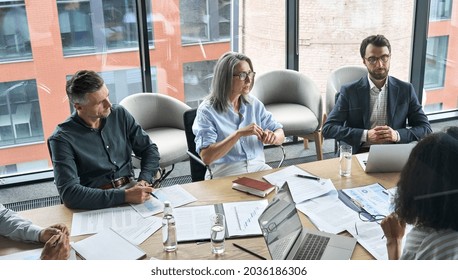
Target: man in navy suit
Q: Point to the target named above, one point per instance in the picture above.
(376, 109)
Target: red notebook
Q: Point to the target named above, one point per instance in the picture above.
(252, 186)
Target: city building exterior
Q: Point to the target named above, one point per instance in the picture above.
(44, 42)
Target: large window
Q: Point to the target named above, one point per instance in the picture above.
(205, 20)
(20, 117)
(99, 25)
(440, 63)
(43, 42)
(436, 56)
(440, 10)
(197, 77)
(261, 33)
(330, 35)
(100, 35)
(14, 32)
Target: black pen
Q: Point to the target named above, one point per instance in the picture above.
(248, 251)
(308, 177)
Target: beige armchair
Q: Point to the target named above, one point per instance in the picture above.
(337, 78)
(161, 116)
(295, 101)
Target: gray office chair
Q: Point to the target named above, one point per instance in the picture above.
(295, 101)
(161, 116)
(337, 78)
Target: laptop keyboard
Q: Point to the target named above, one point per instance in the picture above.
(281, 247)
(312, 248)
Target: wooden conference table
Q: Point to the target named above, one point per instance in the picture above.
(212, 192)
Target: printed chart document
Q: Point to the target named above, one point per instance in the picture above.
(175, 194)
(124, 219)
(107, 245)
(244, 216)
(193, 223)
(302, 189)
(374, 199)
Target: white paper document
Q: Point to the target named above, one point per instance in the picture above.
(193, 223)
(94, 221)
(175, 194)
(139, 233)
(302, 189)
(370, 236)
(328, 213)
(107, 245)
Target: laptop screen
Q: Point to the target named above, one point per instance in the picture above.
(280, 224)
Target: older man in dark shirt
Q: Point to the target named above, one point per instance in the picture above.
(91, 150)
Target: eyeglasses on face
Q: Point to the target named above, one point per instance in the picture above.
(373, 60)
(243, 75)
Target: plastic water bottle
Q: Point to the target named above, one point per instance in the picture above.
(169, 231)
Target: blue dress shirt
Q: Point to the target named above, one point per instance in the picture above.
(211, 127)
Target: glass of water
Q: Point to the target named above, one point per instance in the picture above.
(345, 160)
(218, 233)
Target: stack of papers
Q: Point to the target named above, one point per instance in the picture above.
(319, 200)
(193, 223)
(135, 222)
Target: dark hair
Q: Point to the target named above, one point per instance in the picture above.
(376, 40)
(221, 86)
(427, 194)
(83, 82)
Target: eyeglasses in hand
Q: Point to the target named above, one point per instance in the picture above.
(164, 174)
(367, 217)
(373, 60)
(243, 75)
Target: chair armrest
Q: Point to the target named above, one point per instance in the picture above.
(283, 156)
(199, 160)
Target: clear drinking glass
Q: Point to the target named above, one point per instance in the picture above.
(218, 233)
(345, 160)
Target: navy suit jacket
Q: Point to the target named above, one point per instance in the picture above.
(351, 114)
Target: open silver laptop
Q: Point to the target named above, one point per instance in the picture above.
(385, 157)
(287, 239)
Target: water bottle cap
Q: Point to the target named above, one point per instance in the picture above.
(166, 203)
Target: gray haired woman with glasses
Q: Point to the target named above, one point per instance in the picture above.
(231, 127)
(427, 198)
